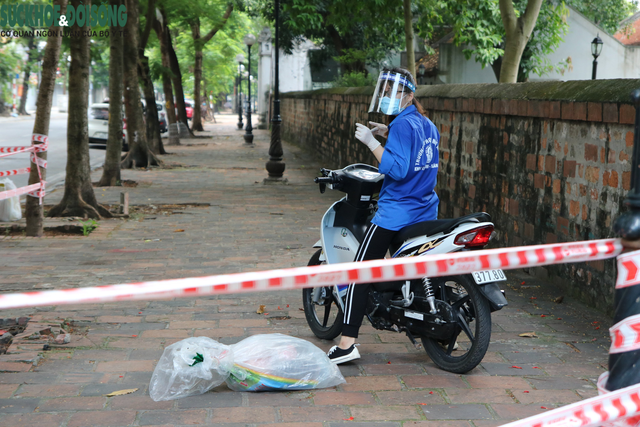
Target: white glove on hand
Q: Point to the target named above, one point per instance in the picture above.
(364, 134)
(379, 129)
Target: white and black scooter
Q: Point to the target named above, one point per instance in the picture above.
(446, 313)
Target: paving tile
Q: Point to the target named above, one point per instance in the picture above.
(243, 415)
(321, 398)
(381, 382)
(456, 412)
(138, 403)
(512, 369)
(6, 390)
(493, 382)
(438, 423)
(322, 413)
(546, 397)
(279, 399)
(98, 418)
(516, 412)
(186, 417)
(384, 413)
(213, 399)
(409, 397)
(104, 389)
(72, 404)
(479, 395)
(126, 366)
(433, 381)
(33, 420)
(389, 369)
(8, 406)
(561, 383)
(39, 390)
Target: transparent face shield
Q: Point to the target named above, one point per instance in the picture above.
(390, 93)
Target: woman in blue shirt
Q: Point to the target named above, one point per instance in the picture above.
(409, 161)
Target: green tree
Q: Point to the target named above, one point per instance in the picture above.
(355, 32)
(606, 13)
(478, 26)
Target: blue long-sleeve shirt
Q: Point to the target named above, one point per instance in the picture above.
(410, 165)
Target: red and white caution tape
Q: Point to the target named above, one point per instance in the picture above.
(618, 408)
(39, 186)
(327, 275)
(15, 172)
(625, 335)
(40, 144)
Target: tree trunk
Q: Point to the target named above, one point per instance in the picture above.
(408, 33)
(196, 120)
(33, 209)
(22, 109)
(199, 42)
(111, 169)
(177, 82)
(151, 115)
(518, 30)
(161, 31)
(79, 198)
(139, 154)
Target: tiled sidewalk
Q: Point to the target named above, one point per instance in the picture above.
(234, 223)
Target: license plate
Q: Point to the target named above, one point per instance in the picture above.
(100, 135)
(487, 276)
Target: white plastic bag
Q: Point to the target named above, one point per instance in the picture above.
(189, 367)
(258, 363)
(9, 208)
(280, 362)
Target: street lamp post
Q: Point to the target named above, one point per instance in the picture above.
(249, 40)
(596, 48)
(622, 370)
(240, 60)
(275, 166)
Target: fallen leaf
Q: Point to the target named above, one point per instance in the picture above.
(388, 363)
(543, 315)
(430, 392)
(135, 336)
(348, 419)
(528, 335)
(301, 309)
(543, 407)
(559, 318)
(597, 327)
(179, 230)
(525, 391)
(533, 298)
(559, 299)
(261, 309)
(122, 392)
(265, 313)
(279, 308)
(522, 283)
(516, 367)
(423, 404)
(287, 305)
(535, 367)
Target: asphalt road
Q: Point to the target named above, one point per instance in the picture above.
(16, 131)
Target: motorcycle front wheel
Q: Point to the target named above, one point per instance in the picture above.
(468, 345)
(325, 316)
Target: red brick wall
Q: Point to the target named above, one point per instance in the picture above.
(546, 170)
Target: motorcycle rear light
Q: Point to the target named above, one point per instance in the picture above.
(478, 237)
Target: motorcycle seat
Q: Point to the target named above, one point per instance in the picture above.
(430, 228)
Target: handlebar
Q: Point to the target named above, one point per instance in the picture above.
(324, 180)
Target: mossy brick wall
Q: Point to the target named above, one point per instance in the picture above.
(550, 161)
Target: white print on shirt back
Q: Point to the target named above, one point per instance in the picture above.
(427, 150)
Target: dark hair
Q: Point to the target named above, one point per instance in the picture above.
(407, 74)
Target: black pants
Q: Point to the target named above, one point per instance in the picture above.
(374, 246)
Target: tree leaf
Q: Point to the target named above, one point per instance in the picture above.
(122, 392)
(528, 335)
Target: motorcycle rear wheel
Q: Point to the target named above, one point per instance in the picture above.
(325, 319)
(473, 331)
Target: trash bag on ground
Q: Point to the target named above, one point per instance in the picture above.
(259, 363)
(9, 208)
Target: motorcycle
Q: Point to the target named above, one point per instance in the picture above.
(450, 315)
